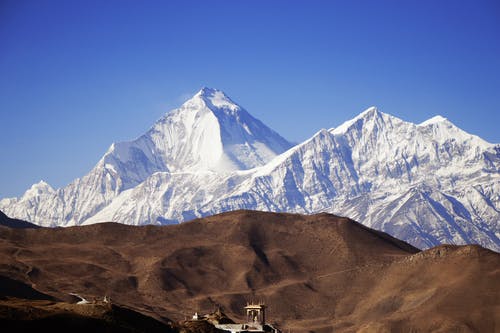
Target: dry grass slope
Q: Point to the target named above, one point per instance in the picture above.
(317, 273)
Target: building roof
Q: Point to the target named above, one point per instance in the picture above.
(255, 306)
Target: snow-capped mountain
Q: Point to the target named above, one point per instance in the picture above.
(208, 134)
(427, 184)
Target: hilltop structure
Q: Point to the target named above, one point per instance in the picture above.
(256, 321)
(256, 313)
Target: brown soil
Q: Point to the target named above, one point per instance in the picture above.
(318, 273)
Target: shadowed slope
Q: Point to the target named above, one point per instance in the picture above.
(21, 315)
(15, 223)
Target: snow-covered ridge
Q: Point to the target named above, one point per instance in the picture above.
(346, 125)
(427, 183)
(433, 120)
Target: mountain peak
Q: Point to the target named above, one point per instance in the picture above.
(39, 188)
(208, 132)
(41, 185)
(434, 120)
(207, 91)
(370, 113)
(216, 99)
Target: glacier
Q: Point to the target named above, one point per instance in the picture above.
(428, 183)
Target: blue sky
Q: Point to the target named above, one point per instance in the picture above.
(76, 76)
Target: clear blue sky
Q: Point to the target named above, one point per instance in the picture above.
(76, 76)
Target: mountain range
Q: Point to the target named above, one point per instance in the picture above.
(428, 183)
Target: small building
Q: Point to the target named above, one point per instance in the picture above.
(256, 313)
(256, 321)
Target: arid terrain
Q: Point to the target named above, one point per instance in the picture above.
(318, 273)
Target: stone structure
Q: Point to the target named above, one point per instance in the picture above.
(256, 313)
(256, 321)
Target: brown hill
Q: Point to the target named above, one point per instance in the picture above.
(317, 273)
(15, 223)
